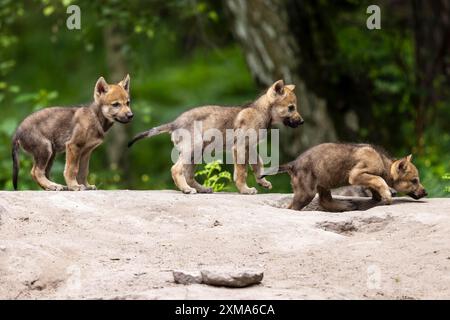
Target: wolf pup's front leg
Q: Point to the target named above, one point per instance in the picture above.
(73, 155)
(240, 157)
(257, 171)
(83, 171)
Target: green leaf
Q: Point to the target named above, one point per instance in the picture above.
(48, 10)
(213, 16)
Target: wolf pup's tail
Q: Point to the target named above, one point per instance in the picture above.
(15, 160)
(281, 169)
(150, 133)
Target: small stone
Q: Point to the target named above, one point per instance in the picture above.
(2, 248)
(232, 279)
(217, 223)
(187, 277)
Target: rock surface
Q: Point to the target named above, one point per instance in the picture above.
(187, 277)
(232, 279)
(125, 245)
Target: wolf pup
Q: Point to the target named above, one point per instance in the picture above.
(332, 165)
(277, 105)
(75, 130)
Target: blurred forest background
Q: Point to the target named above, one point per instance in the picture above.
(389, 87)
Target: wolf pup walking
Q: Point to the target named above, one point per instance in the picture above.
(332, 165)
(75, 130)
(277, 105)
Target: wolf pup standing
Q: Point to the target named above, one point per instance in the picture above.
(277, 105)
(75, 130)
(332, 165)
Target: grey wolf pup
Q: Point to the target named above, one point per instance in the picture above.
(74, 130)
(332, 165)
(277, 105)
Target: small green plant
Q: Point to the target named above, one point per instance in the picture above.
(214, 177)
(446, 177)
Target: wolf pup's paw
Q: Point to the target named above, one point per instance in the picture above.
(264, 183)
(387, 199)
(204, 190)
(77, 187)
(56, 187)
(248, 190)
(189, 191)
(90, 187)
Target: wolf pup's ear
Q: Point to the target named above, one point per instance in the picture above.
(101, 87)
(402, 164)
(408, 158)
(291, 87)
(277, 88)
(125, 83)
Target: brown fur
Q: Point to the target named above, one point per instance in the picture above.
(277, 105)
(74, 130)
(332, 165)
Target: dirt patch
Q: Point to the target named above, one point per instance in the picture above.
(341, 227)
(373, 224)
(348, 227)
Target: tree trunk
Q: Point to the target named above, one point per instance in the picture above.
(272, 53)
(117, 138)
(432, 50)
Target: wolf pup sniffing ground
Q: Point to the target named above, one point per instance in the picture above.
(75, 130)
(277, 105)
(332, 165)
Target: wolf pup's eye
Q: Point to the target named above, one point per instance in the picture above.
(128, 103)
(415, 181)
(116, 104)
(291, 108)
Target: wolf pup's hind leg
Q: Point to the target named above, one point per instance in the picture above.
(43, 154)
(301, 200)
(179, 177)
(328, 203)
(189, 173)
(304, 191)
(50, 165)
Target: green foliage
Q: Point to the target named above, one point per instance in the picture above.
(446, 178)
(38, 100)
(434, 165)
(383, 61)
(214, 176)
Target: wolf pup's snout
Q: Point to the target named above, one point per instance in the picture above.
(125, 118)
(418, 195)
(293, 123)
